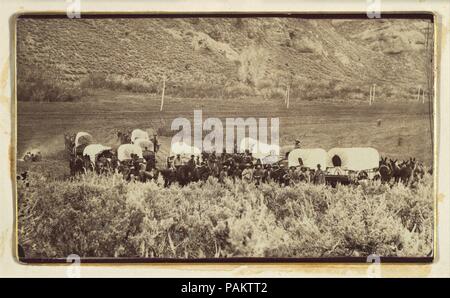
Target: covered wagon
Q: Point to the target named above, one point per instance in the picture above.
(131, 168)
(308, 158)
(82, 139)
(147, 152)
(345, 165)
(267, 153)
(99, 156)
(144, 144)
(184, 150)
(249, 144)
(125, 152)
(139, 134)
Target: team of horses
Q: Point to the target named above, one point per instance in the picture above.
(244, 167)
(232, 165)
(406, 171)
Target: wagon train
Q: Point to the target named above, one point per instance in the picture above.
(251, 161)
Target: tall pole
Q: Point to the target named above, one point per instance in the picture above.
(287, 104)
(418, 93)
(370, 95)
(286, 96)
(373, 93)
(162, 95)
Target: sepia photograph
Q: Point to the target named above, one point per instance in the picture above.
(225, 137)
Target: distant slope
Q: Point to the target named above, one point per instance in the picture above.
(336, 59)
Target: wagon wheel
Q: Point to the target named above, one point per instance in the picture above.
(108, 168)
(88, 167)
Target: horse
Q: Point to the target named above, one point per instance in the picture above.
(384, 171)
(202, 173)
(395, 169)
(149, 175)
(280, 175)
(76, 165)
(407, 170)
(169, 176)
(132, 169)
(404, 171)
(232, 167)
(183, 174)
(419, 173)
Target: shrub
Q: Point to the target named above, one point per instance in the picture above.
(117, 82)
(106, 217)
(39, 85)
(252, 65)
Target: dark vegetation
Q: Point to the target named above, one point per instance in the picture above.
(223, 58)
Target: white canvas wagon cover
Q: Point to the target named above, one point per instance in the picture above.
(83, 138)
(124, 151)
(267, 153)
(95, 149)
(247, 144)
(259, 149)
(310, 157)
(355, 159)
(144, 143)
(139, 134)
(184, 149)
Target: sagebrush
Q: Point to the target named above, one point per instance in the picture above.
(106, 217)
(39, 85)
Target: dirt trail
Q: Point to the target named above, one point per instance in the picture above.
(403, 131)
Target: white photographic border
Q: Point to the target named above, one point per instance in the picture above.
(10, 267)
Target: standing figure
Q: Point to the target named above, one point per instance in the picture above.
(177, 162)
(319, 176)
(304, 174)
(223, 174)
(267, 177)
(258, 174)
(294, 175)
(150, 159)
(247, 174)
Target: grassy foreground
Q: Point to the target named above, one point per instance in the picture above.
(107, 217)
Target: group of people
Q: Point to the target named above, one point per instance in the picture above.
(178, 168)
(79, 163)
(139, 169)
(280, 173)
(238, 166)
(107, 162)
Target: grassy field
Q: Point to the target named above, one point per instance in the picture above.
(404, 131)
(106, 217)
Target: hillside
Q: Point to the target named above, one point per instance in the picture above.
(337, 59)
